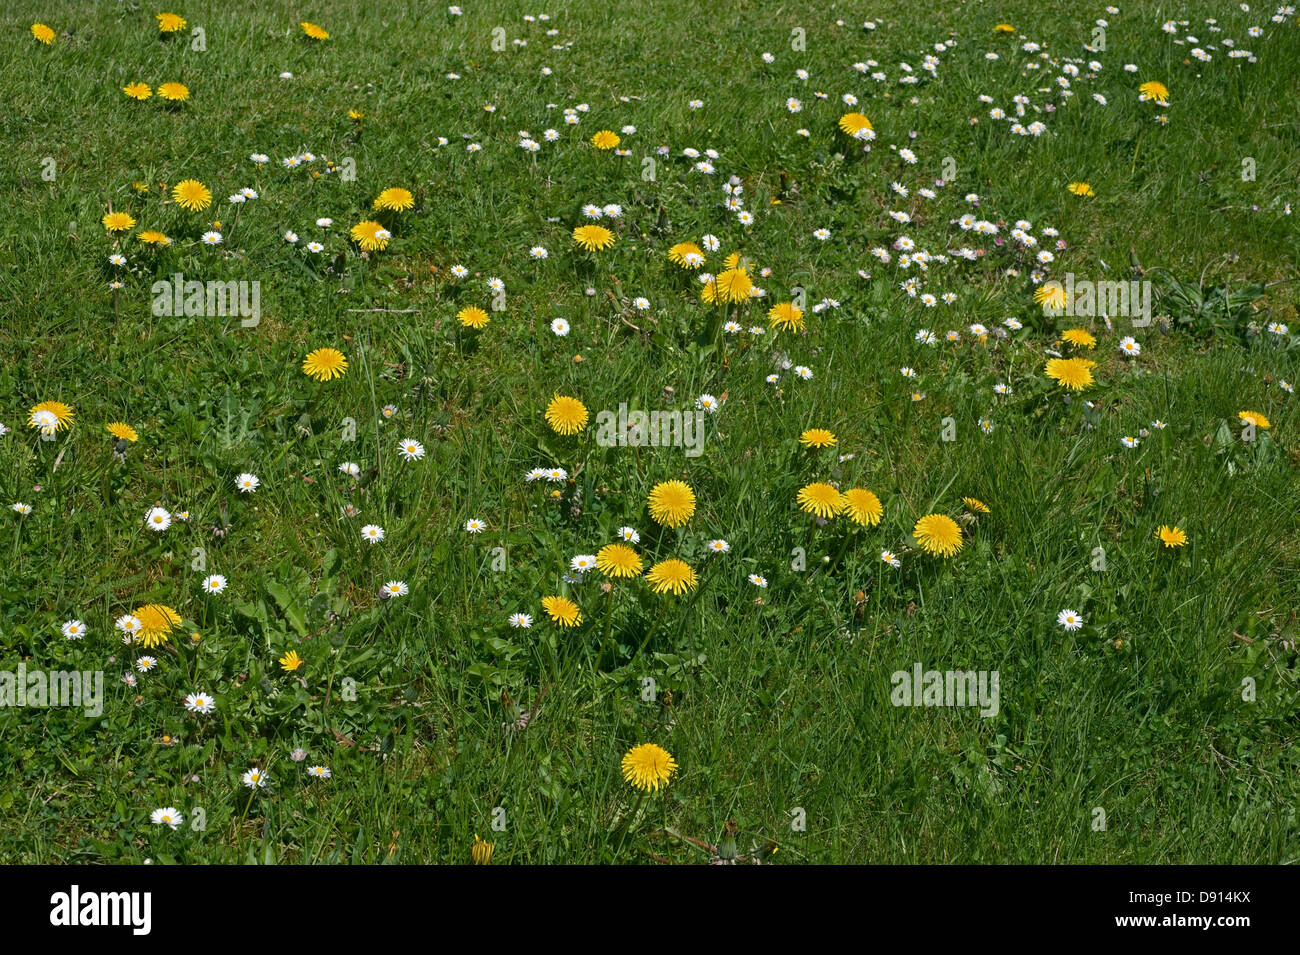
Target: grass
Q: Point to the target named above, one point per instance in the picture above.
(774, 702)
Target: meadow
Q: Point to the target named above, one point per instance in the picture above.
(327, 326)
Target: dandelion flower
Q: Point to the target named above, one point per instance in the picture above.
(123, 432)
(821, 499)
(170, 22)
(1154, 90)
(1255, 418)
(862, 506)
(671, 503)
(817, 438)
(51, 416)
(605, 139)
(117, 221)
(481, 852)
(855, 124)
(566, 415)
(395, 199)
(1171, 536)
(472, 317)
(313, 31)
(1081, 189)
(686, 254)
(975, 505)
(593, 238)
(938, 535)
(43, 33)
(192, 195)
(156, 624)
(786, 315)
(370, 236)
(618, 560)
(174, 92)
(648, 766)
(1080, 337)
(1072, 373)
(154, 237)
(290, 661)
(562, 611)
(325, 364)
(672, 576)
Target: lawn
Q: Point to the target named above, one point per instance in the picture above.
(824, 255)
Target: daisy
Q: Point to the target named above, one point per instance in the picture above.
(167, 816)
(146, 663)
(757, 580)
(707, 402)
(395, 588)
(255, 779)
(73, 629)
(372, 533)
(247, 483)
(718, 546)
(214, 584)
(350, 468)
(560, 327)
(1069, 620)
(629, 534)
(475, 526)
(200, 702)
(411, 449)
(521, 621)
(1129, 347)
(1129, 441)
(890, 558)
(319, 772)
(158, 519)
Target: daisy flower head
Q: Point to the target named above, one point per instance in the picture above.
(166, 816)
(410, 449)
(73, 629)
(1069, 620)
(372, 533)
(200, 702)
(394, 588)
(247, 483)
(214, 584)
(475, 526)
(521, 621)
(158, 519)
(629, 535)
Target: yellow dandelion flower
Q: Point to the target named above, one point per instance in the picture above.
(395, 199)
(817, 438)
(1051, 295)
(562, 611)
(730, 286)
(1004, 28)
(1079, 336)
(174, 92)
(648, 766)
(1255, 418)
(673, 576)
(937, 535)
(290, 661)
(566, 415)
(153, 237)
(1171, 536)
(481, 852)
(141, 91)
(671, 503)
(170, 22)
(51, 416)
(325, 364)
(862, 506)
(43, 33)
(313, 31)
(821, 499)
(854, 124)
(593, 238)
(605, 139)
(686, 254)
(1081, 189)
(472, 317)
(117, 222)
(618, 560)
(1154, 89)
(370, 236)
(975, 505)
(786, 315)
(122, 431)
(1072, 373)
(156, 623)
(192, 195)
(356, 114)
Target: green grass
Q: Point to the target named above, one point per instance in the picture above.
(768, 705)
